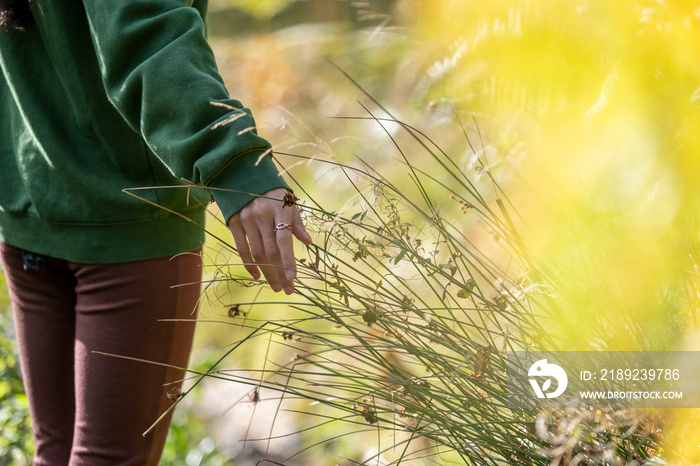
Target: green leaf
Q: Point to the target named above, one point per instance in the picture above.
(400, 256)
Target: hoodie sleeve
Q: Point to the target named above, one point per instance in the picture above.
(160, 73)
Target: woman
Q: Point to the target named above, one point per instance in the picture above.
(96, 97)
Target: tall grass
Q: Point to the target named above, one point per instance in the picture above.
(417, 288)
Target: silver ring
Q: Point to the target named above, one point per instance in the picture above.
(282, 226)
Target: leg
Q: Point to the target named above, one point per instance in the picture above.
(120, 309)
(43, 304)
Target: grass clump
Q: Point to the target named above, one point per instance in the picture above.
(416, 290)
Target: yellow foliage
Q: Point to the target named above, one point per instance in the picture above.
(593, 110)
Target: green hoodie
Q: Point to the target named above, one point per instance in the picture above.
(103, 95)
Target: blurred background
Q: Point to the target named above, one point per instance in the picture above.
(581, 116)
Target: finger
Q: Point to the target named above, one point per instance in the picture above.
(260, 252)
(239, 237)
(285, 242)
(276, 248)
(299, 230)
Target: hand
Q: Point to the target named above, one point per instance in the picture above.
(259, 245)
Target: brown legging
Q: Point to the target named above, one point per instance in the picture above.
(87, 408)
